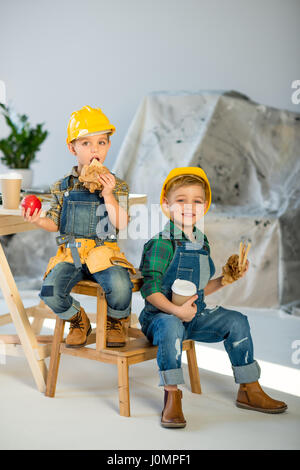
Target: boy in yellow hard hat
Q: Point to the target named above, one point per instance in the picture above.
(88, 223)
(181, 251)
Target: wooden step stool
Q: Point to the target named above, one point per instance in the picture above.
(137, 348)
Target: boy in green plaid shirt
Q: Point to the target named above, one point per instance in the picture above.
(181, 252)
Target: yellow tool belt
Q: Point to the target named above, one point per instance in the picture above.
(97, 258)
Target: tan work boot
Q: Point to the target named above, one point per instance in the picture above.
(116, 332)
(252, 397)
(172, 415)
(80, 328)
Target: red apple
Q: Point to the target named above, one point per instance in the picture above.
(32, 202)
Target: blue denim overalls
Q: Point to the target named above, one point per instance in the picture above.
(191, 261)
(84, 216)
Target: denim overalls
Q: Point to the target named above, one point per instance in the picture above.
(83, 215)
(191, 261)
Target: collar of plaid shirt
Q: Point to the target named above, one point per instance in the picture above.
(174, 232)
(73, 172)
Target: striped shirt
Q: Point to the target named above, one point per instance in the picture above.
(120, 192)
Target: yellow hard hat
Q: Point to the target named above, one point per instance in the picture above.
(88, 121)
(186, 170)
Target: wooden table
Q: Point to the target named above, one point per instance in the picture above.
(27, 341)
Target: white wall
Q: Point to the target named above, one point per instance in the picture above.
(56, 56)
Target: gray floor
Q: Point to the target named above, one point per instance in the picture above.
(84, 413)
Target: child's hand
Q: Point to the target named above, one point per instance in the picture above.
(34, 218)
(233, 271)
(109, 182)
(188, 310)
(243, 272)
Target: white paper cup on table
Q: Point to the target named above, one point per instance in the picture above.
(11, 189)
(182, 291)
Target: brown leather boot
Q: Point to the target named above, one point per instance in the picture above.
(252, 397)
(80, 328)
(172, 415)
(116, 332)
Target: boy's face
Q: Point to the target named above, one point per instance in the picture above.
(186, 205)
(89, 147)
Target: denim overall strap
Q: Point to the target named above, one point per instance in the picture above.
(83, 215)
(191, 262)
(69, 241)
(65, 183)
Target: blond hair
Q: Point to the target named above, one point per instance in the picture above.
(102, 133)
(186, 180)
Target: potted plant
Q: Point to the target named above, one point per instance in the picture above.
(19, 149)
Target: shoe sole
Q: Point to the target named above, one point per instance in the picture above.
(77, 346)
(262, 410)
(173, 425)
(115, 345)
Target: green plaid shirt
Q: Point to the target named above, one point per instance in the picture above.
(121, 193)
(157, 255)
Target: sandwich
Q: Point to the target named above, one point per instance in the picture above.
(90, 173)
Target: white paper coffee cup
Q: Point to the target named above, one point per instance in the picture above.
(182, 290)
(11, 188)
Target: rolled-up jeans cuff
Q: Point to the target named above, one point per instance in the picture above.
(114, 313)
(73, 310)
(171, 377)
(246, 374)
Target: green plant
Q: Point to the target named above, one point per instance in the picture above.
(20, 147)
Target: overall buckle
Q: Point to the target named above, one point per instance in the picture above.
(60, 240)
(110, 238)
(69, 241)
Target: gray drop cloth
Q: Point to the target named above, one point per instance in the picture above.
(251, 155)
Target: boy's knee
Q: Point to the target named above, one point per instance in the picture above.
(240, 322)
(119, 286)
(56, 303)
(120, 299)
(47, 291)
(120, 277)
(57, 285)
(170, 329)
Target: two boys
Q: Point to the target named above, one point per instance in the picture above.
(180, 251)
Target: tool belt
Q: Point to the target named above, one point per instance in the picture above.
(97, 254)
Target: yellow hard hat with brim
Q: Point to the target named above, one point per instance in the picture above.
(185, 171)
(88, 121)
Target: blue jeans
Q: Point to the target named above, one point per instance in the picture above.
(210, 326)
(58, 284)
